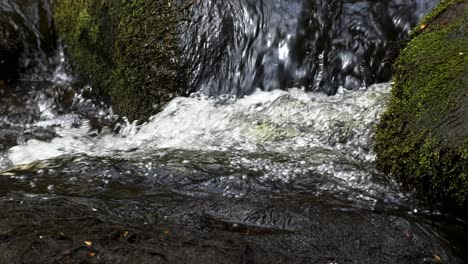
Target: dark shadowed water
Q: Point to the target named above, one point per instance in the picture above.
(279, 176)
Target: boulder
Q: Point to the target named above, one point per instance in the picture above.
(126, 49)
(422, 138)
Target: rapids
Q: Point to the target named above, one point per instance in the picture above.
(285, 136)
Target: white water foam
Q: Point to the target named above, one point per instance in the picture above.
(277, 121)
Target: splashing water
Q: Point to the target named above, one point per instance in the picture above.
(278, 121)
(282, 136)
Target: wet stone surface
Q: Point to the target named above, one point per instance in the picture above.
(170, 228)
(31, 110)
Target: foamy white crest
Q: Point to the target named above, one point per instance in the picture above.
(277, 121)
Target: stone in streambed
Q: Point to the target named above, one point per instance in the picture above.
(422, 139)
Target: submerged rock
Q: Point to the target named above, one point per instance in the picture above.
(422, 139)
(172, 229)
(125, 49)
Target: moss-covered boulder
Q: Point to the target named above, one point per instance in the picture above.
(127, 49)
(422, 139)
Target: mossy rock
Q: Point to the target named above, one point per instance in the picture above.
(127, 49)
(422, 138)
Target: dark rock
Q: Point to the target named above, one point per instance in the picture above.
(10, 50)
(27, 38)
(422, 139)
(87, 230)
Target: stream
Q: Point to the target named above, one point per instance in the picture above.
(268, 159)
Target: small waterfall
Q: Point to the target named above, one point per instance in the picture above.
(271, 52)
(237, 46)
(27, 40)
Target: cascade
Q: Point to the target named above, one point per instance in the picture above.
(268, 156)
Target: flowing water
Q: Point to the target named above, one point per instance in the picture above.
(284, 174)
(237, 46)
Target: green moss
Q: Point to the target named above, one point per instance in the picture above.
(86, 22)
(434, 14)
(127, 49)
(422, 137)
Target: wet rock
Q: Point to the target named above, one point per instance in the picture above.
(126, 49)
(422, 139)
(27, 37)
(10, 49)
(78, 208)
(187, 230)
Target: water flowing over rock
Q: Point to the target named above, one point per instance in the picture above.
(145, 53)
(235, 47)
(27, 39)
